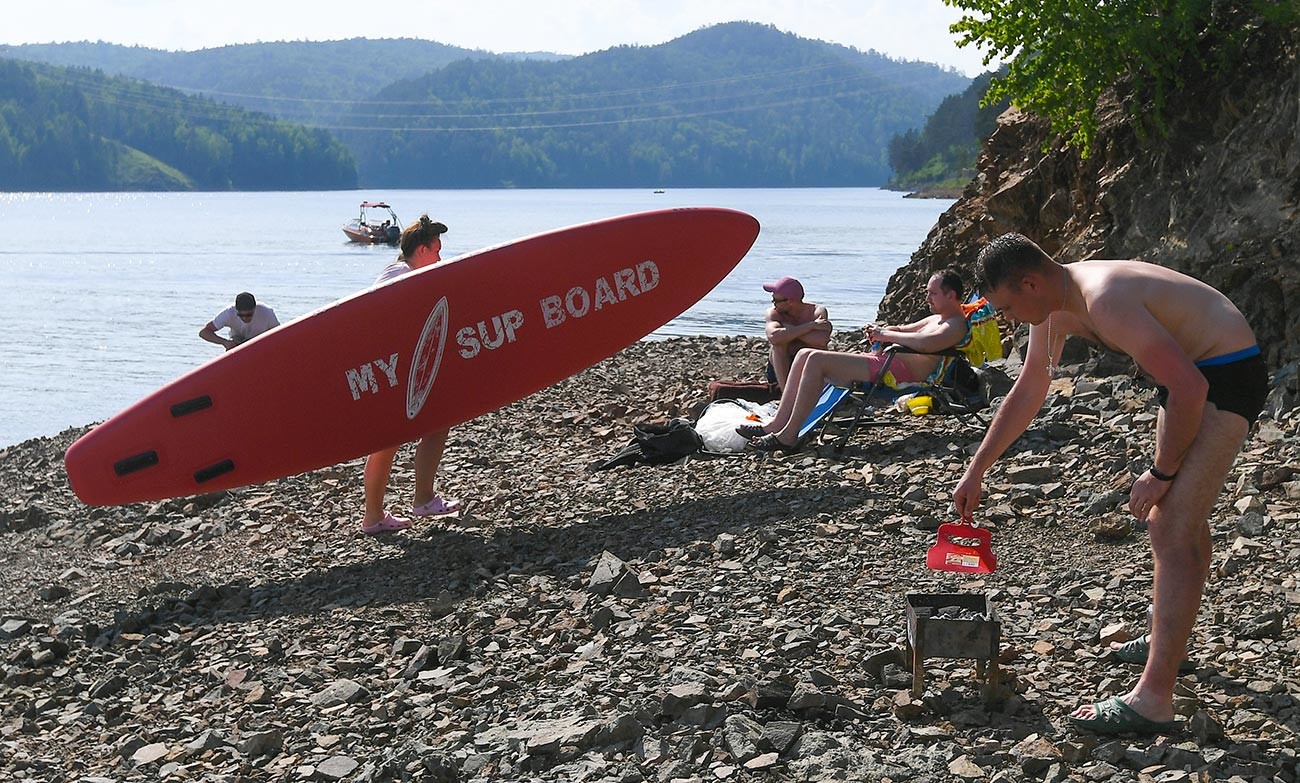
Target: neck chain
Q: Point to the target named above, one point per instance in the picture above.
(1052, 366)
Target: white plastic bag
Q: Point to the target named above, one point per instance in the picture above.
(717, 424)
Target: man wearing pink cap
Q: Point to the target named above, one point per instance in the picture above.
(793, 324)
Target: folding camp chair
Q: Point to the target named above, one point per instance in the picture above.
(958, 390)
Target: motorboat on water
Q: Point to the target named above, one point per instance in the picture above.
(372, 228)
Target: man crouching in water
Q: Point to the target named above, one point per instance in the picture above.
(1199, 349)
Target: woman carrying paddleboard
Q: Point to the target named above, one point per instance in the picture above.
(421, 246)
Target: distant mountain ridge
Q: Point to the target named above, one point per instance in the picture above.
(734, 105)
(738, 104)
(72, 129)
(303, 81)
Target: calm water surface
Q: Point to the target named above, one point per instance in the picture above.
(104, 293)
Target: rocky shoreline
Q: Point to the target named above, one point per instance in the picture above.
(726, 619)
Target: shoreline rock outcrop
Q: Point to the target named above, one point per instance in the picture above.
(1216, 197)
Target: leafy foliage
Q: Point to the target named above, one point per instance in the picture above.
(944, 153)
(1064, 53)
(737, 104)
(72, 129)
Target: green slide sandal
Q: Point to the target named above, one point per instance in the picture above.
(1115, 717)
(1137, 650)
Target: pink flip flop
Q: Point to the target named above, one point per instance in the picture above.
(388, 524)
(436, 507)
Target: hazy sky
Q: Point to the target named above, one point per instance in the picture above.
(905, 29)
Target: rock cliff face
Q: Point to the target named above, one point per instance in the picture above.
(1217, 198)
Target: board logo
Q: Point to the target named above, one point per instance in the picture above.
(427, 357)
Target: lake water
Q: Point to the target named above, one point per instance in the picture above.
(104, 293)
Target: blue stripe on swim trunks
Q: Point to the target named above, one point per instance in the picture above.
(1229, 358)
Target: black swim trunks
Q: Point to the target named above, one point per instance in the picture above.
(1238, 383)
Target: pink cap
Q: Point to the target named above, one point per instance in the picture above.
(786, 288)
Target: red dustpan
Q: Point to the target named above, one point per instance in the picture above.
(964, 548)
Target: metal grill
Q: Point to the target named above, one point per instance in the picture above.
(953, 625)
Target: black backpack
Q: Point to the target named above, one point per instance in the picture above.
(964, 390)
(657, 444)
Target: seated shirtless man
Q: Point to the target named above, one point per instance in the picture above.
(945, 328)
(1197, 346)
(792, 325)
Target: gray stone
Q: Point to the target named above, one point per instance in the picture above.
(477, 762)
(208, 740)
(336, 768)
(15, 627)
(1101, 503)
(1031, 474)
(781, 735)
(405, 646)
(1205, 728)
(129, 746)
(452, 648)
(609, 569)
(806, 696)
(149, 753)
(964, 768)
(261, 743)
(340, 692)
(874, 664)
(742, 735)
(1143, 756)
(1035, 754)
(53, 592)
(108, 687)
(624, 728)
(1251, 524)
(894, 676)
(1056, 773)
(680, 698)
(1268, 626)
(706, 715)
(547, 739)
(613, 576)
(1184, 758)
(424, 657)
(928, 735)
(765, 761)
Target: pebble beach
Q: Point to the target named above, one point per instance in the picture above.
(739, 618)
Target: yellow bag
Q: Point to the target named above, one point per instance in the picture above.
(985, 338)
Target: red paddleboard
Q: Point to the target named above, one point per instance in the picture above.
(418, 354)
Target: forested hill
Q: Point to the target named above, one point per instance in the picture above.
(942, 155)
(75, 129)
(301, 81)
(737, 105)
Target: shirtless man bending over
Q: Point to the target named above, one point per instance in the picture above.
(945, 328)
(1199, 349)
(792, 325)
